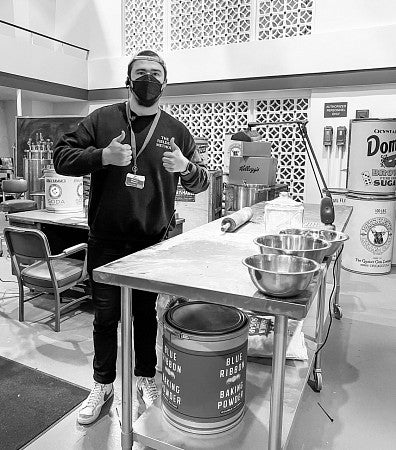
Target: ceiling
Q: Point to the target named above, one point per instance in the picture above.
(8, 93)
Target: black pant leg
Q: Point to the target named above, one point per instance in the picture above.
(107, 311)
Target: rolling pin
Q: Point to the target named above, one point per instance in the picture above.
(236, 219)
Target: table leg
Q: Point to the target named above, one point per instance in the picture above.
(126, 349)
(278, 383)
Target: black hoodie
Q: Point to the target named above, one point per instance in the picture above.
(116, 211)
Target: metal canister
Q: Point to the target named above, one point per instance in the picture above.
(204, 367)
(372, 156)
(239, 196)
(63, 194)
(370, 229)
(33, 172)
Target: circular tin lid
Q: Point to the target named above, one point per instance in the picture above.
(374, 197)
(205, 318)
(263, 187)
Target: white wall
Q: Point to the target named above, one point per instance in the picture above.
(36, 57)
(71, 108)
(337, 15)
(7, 127)
(73, 21)
(41, 16)
(105, 30)
(36, 108)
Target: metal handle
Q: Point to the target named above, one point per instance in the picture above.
(176, 333)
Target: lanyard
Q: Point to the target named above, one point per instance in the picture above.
(133, 138)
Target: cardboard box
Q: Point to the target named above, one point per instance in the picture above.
(241, 148)
(253, 170)
(258, 148)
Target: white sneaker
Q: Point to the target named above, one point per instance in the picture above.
(147, 389)
(92, 405)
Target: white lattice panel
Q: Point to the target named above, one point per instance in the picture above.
(144, 25)
(181, 24)
(212, 120)
(284, 18)
(287, 143)
(204, 23)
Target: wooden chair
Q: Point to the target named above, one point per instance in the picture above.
(51, 274)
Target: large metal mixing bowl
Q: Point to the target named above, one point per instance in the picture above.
(334, 238)
(292, 244)
(281, 275)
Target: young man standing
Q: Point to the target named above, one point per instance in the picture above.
(136, 154)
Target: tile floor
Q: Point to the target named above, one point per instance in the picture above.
(358, 363)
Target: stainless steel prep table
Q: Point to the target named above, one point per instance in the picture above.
(41, 216)
(38, 217)
(205, 264)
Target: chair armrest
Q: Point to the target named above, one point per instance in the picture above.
(70, 250)
(74, 249)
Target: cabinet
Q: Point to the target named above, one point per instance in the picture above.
(198, 209)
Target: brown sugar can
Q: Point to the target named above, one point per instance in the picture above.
(372, 156)
(204, 367)
(371, 234)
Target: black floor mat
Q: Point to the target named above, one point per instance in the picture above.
(31, 401)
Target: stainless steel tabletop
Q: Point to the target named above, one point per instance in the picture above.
(206, 264)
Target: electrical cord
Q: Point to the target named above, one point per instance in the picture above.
(330, 299)
(165, 235)
(303, 134)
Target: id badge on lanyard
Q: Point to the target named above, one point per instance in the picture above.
(133, 179)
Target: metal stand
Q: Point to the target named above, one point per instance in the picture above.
(278, 383)
(126, 335)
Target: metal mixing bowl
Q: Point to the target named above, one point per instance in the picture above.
(334, 238)
(292, 244)
(281, 275)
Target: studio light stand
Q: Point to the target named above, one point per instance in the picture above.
(327, 214)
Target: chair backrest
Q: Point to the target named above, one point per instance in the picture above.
(27, 243)
(14, 186)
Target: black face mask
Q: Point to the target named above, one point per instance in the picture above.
(147, 89)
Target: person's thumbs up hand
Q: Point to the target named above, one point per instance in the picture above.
(116, 153)
(121, 137)
(174, 161)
